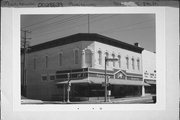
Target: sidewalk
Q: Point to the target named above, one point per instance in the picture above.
(128, 100)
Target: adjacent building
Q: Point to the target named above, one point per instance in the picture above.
(79, 60)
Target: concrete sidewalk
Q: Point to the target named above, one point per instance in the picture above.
(128, 100)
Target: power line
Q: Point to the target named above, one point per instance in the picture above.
(61, 21)
(40, 22)
(126, 26)
(91, 21)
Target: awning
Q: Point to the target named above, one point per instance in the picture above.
(153, 82)
(93, 80)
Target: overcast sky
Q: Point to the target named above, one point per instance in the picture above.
(129, 28)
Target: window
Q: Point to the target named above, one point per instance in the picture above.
(46, 61)
(127, 62)
(88, 58)
(76, 57)
(34, 63)
(60, 59)
(52, 77)
(133, 63)
(119, 60)
(113, 56)
(44, 77)
(138, 64)
(100, 57)
(107, 56)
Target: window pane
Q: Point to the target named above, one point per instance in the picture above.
(34, 63)
(100, 57)
(113, 56)
(76, 56)
(52, 77)
(46, 61)
(133, 63)
(138, 64)
(44, 78)
(127, 62)
(119, 60)
(60, 59)
(88, 58)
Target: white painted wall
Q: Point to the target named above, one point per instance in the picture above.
(117, 51)
(149, 64)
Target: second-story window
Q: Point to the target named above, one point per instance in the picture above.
(46, 61)
(133, 63)
(107, 56)
(100, 57)
(34, 63)
(113, 56)
(76, 57)
(138, 64)
(119, 60)
(60, 59)
(127, 62)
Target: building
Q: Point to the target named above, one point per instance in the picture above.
(81, 58)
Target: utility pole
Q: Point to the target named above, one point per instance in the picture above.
(24, 46)
(68, 87)
(105, 75)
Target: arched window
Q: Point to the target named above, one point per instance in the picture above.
(107, 56)
(133, 67)
(113, 56)
(76, 56)
(34, 63)
(88, 58)
(119, 60)
(100, 57)
(60, 59)
(138, 64)
(127, 62)
(46, 61)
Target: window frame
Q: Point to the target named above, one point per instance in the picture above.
(119, 60)
(133, 63)
(44, 75)
(76, 61)
(99, 57)
(113, 56)
(60, 59)
(127, 62)
(46, 61)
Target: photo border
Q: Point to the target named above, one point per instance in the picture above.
(13, 42)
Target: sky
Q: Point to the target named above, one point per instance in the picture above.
(129, 28)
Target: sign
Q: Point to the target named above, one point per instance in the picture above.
(108, 59)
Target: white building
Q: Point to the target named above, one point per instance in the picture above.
(82, 56)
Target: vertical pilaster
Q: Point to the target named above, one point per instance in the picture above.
(143, 90)
(93, 59)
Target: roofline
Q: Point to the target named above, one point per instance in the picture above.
(85, 37)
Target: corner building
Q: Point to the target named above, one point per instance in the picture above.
(82, 56)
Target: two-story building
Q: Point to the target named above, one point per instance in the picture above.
(82, 57)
